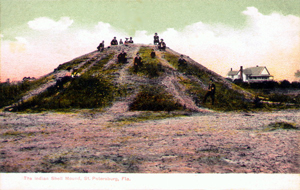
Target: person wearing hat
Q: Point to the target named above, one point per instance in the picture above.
(114, 41)
(126, 42)
(101, 46)
(162, 45)
(211, 92)
(137, 62)
(181, 61)
(122, 57)
(130, 40)
(156, 39)
(152, 54)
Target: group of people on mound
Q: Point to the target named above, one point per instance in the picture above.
(115, 42)
(161, 45)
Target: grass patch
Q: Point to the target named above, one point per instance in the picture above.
(229, 100)
(11, 93)
(73, 63)
(188, 69)
(97, 68)
(151, 66)
(225, 99)
(82, 92)
(148, 115)
(154, 98)
(281, 125)
(12, 133)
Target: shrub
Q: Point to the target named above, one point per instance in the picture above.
(154, 98)
(82, 92)
(285, 84)
(87, 92)
(10, 93)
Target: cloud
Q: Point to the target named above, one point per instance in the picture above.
(21, 40)
(44, 23)
(267, 40)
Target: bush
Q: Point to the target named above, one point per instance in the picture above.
(10, 93)
(285, 84)
(88, 92)
(82, 92)
(229, 100)
(154, 98)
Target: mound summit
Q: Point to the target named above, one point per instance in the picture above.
(159, 85)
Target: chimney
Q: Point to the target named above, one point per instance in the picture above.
(241, 73)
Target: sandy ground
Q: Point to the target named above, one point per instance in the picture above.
(114, 141)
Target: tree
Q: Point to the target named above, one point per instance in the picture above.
(285, 84)
(297, 74)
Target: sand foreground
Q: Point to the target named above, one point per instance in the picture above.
(106, 142)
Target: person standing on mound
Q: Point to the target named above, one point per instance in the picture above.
(137, 62)
(211, 92)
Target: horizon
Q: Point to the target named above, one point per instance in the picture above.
(217, 34)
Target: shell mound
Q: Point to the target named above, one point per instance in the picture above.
(98, 80)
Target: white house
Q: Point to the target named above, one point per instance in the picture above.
(251, 74)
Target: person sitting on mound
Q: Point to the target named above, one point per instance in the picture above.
(130, 40)
(152, 54)
(101, 46)
(122, 57)
(162, 45)
(114, 42)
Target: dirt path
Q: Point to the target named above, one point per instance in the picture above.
(116, 141)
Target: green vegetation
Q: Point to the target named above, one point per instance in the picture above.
(97, 68)
(280, 125)
(148, 115)
(12, 133)
(151, 66)
(82, 92)
(73, 63)
(154, 98)
(95, 88)
(188, 69)
(225, 99)
(274, 94)
(12, 92)
(91, 90)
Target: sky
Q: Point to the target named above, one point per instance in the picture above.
(38, 35)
